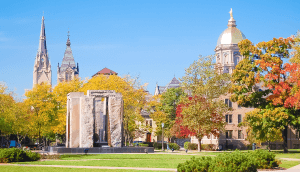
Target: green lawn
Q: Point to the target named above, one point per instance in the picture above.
(57, 169)
(170, 160)
(289, 164)
(119, 160)
(293, 153)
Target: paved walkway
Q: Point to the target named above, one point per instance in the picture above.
(94, 167)
(293, 169)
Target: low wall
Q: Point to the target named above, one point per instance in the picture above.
(100, 150)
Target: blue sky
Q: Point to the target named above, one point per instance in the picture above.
(154, 40)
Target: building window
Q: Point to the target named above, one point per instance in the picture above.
(239, 106)
(228, 102)
(228, 119)
(240, 134)
(239, 118)
(228, 134)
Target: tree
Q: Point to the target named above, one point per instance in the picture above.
(154, 106)
(44, 108)
(7, 109)
(60, 92)
(262, 125)
(164, 109)
(202, 111)
(21, 124)
(133, 96)
(178, 129)
(263, 81)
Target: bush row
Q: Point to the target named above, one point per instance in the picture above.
(234, 162)
(175, 146)
(17, 155)
(194, 146)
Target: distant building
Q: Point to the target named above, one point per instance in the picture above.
(105, 71)
(227, 57)
(68, 70)
(42, 67)
(173, 84)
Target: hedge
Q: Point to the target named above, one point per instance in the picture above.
(17, 155)
(171, 145)
(235, 162)
(194, 146)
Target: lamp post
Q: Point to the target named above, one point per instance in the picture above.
(162, 139)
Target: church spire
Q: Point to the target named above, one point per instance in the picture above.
(42, 44)
(42, 67)
(68, 40)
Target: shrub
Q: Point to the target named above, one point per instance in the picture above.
(32, 156)
(195, 164)
(174, 146)
(186, 145)
(150, 144)
(143, 145)
(235, 161)
(207, 147)
(264, 159)
(17, 155)
(190, 146)
(159, 146)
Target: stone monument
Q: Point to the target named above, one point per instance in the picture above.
(94, 119)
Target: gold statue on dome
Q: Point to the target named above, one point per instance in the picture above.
(230, 12)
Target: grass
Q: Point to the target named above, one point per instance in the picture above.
(57, 169)
(170, 160)
(293, 153)
(119, 160)
(289, 164)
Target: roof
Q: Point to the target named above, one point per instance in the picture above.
(68, 59)
(42, 44)
(231, 35)
(106, 71)
(173, 84)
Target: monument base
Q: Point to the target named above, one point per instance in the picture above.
(101, 150)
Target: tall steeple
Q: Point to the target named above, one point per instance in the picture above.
(42, 67)
(42, 44)
(68, 70)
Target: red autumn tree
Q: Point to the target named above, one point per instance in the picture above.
(178, 129)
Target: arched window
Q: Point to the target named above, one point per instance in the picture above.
(236, 60)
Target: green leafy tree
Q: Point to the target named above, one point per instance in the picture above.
(202, 112)
(164, 110)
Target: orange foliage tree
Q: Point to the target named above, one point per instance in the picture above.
(264, 79)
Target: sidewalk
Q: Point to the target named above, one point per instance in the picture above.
(293, 169)
(93, 167)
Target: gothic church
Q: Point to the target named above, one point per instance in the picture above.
(42, 68)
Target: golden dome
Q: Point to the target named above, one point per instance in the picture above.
(231, 35)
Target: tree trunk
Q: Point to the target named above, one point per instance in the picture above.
(199, 145)
(269, 146)
(285, 136)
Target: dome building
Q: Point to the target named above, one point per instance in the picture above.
(227, 50)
